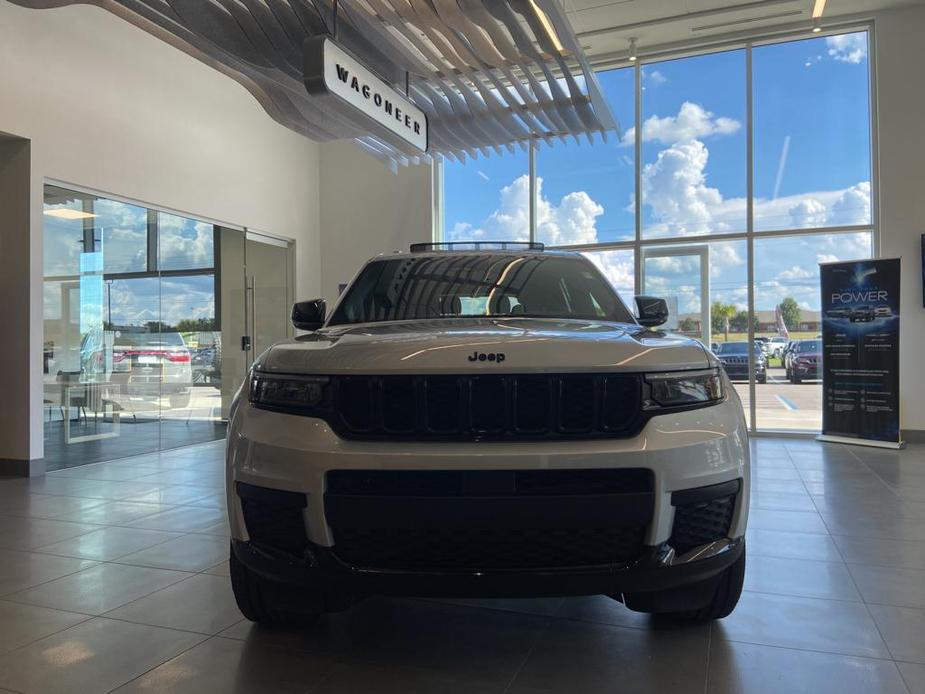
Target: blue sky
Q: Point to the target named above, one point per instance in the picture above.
(812, 168)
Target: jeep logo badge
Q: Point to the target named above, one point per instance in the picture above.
(487, 356)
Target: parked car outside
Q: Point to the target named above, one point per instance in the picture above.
(806, 361)
(776, 345)
(734, 358)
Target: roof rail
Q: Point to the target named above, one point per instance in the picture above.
(477, 246)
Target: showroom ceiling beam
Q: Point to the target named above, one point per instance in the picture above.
(490, 75)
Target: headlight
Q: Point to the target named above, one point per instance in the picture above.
(287, 392)
(683, 388)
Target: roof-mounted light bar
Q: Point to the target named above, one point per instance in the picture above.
(477, 246)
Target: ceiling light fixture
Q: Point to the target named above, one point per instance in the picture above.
(632, 54)
(816, 27)
(818, 9)
(547, 25)
(66, 213)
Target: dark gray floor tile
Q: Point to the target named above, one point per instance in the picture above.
(794, 521)
(218, 666)
(29, 533)
(791, 545)
(486, 644)
(220, 569)
(890, 527)
(107, 543)
(21, 624)
(781, 501)
(350, 678)
(22, 570)
(95, 656)
(182, 519)
(914, 675)
(592, 658)
(183, 553)
(742, 668)
(880, 552)
(832, 626)
(903, 629)
(202, 603)
(115, 512)
(890, 586)
(812, 579)
(98, 589)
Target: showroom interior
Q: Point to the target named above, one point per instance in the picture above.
(172, 183)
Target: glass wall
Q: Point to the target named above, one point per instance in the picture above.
(705, 223)
(132, 348)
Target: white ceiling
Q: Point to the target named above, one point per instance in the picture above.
(658, 24)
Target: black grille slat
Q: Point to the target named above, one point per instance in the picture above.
(422, 549)
(487, 406)
(443, 404)
(525, 482)
(398, 404)
(702, 522)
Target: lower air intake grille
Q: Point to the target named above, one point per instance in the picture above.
(701, 522)
(485, 549)
(273, 518)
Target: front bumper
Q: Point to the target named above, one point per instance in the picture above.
(658, 569)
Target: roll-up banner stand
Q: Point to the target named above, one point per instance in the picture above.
(860, 352)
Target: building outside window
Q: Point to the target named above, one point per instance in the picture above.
(681, 203)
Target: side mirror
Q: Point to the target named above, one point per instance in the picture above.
(308, 315)
(652, 311)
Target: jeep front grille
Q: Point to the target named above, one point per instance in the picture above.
(474, 520)
(490, 406)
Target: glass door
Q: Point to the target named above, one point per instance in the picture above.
(268, 278)
(681, 276)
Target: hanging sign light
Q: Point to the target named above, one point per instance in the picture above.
(329, 70)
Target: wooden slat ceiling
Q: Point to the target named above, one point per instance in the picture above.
(489, 74)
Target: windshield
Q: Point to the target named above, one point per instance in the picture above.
(732, 348)
(810, 346)
(487, 284)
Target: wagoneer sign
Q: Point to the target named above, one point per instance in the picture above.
(329, 69)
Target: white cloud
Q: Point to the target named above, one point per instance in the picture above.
(692, 122)
(675, 187)
(656, 78)
(571, 221)
(848, 48)
(795, 273)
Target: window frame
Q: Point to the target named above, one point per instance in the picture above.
(637, 244)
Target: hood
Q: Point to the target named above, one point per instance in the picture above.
(511, 345)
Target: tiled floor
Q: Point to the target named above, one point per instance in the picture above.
(114, 577)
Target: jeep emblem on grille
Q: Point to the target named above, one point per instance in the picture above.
(487, 356)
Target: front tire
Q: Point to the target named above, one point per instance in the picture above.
(265, 602)
(722, 601)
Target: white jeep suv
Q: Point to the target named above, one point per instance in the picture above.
(489, 423)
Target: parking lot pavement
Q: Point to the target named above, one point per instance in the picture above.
(784, 405)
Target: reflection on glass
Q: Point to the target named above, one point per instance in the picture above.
(131, 336)
(787, 283)
(812, 133)
(693, 146)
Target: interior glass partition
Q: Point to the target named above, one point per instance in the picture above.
(146, 329)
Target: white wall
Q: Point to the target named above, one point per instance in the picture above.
(900, 105)
(366, 210)
(108, 107)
